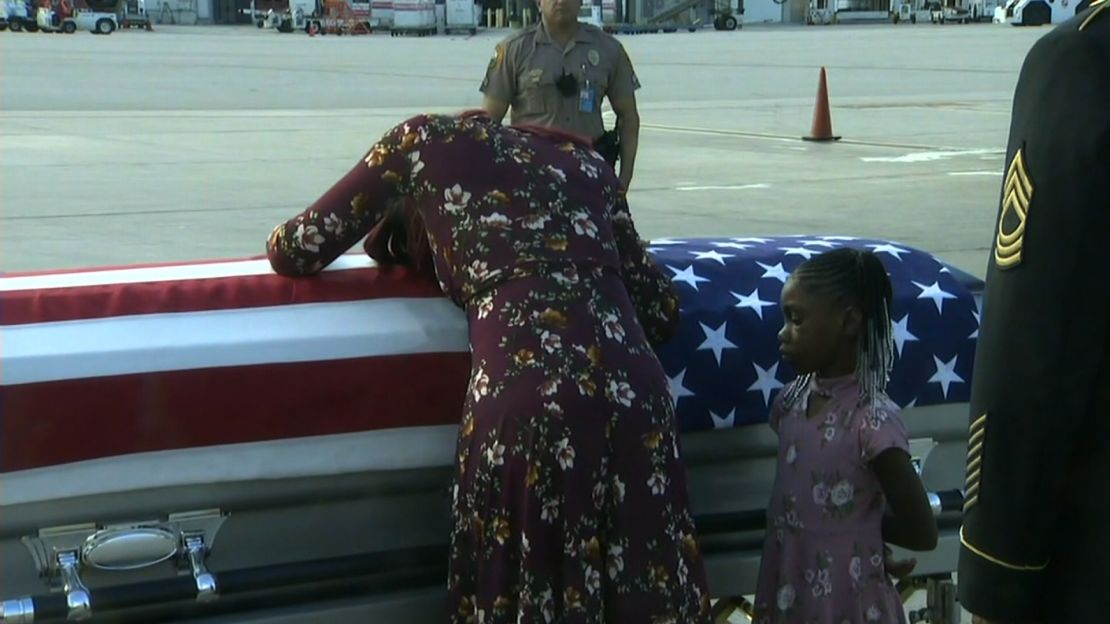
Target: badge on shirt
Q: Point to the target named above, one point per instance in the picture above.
(593, 57)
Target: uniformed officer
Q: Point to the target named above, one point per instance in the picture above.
(1036, 520)
(555, 74)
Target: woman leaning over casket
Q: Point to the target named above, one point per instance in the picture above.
(570, 501)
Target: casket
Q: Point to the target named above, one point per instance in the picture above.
(211, 440)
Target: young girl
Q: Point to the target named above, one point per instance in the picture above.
(843, 455)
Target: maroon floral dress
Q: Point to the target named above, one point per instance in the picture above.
(570, 501)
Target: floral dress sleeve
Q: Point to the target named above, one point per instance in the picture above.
(310, 241)
(881, 428)
(652, 296)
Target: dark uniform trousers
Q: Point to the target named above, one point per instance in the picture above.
(1036, 523)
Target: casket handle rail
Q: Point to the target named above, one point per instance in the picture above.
(382, 571)
(62, 553)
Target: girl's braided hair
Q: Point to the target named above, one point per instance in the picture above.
(857, 278)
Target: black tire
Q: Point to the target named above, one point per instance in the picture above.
(69, 28)
(729, 22)
(105, 27)
(1036, 14)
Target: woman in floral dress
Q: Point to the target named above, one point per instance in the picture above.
(570, 501)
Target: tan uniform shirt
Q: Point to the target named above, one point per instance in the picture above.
(526, 65)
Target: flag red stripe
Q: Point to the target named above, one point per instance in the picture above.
(58, 422)
(191, 295)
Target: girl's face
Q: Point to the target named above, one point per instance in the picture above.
(817, 336)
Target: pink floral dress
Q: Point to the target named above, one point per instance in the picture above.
(823, 556)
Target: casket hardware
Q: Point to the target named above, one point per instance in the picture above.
(60, 553)
(129, 548)
(17, 611)
(920, 449)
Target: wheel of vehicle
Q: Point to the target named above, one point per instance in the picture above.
(729, 23)
(1036, 14)
(105, 26)
(717, 23)
(260, 23)
(31, 27)
(3, 27)
(913, 18)
(69, 28)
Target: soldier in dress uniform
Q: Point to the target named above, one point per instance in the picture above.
(556, 73)
(1036, 518)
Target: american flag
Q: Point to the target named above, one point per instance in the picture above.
(111, 361)
(724, 365)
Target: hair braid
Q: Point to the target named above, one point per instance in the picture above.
(852, 277)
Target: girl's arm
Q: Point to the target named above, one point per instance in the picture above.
(912, 524)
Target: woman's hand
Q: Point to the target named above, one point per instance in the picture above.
(898, 568)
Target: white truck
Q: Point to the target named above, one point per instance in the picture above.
(96, 22)
(1038, 12)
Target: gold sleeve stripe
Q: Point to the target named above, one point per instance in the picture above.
(973, 476)
(969, 501)
(977, 436)
(974, 464)
(975, 450)
(978, 422)
(995, 560)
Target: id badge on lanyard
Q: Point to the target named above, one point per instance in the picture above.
(587, 95)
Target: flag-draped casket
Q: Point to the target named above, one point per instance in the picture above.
(317, 414)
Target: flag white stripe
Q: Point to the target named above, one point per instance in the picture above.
(214, 270)
(238, 337)
(295, 458)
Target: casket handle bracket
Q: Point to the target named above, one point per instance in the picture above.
(77, 595)
(196, 552)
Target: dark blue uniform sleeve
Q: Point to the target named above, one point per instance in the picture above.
(1041, 359)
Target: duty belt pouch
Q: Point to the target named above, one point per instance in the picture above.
(609, 145)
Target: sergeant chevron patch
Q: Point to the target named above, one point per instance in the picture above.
(1017, 194)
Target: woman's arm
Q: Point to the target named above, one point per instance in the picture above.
(311, 240)
(650, 290)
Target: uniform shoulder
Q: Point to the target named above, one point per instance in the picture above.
(1097, 16)
(1087, 31)
(519, 36)
(602, 37)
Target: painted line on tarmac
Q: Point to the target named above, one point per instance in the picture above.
(929, 156)
(797, 138)
(975, 173)
(723, 187)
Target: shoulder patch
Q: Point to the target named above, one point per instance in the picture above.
(498, 56)
(1098, 7)
(1016, 197)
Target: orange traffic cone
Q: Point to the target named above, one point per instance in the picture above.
(822, 119)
